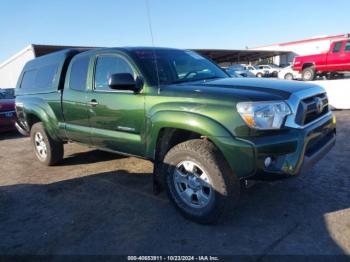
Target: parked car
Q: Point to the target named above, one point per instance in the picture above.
(7, 110)
(257, 72)
(240, 70)
(271, 69)
(336, 60)
(288, 73)
(204, 131)
(232, 73)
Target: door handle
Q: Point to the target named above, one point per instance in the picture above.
(93, 103)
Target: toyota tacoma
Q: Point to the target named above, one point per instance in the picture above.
(204, 131)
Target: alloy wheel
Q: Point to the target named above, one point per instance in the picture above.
(193, 184)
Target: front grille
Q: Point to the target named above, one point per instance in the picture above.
(311, 108)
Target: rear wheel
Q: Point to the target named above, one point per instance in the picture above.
(47, 150)
(199, 181)
(259, 75)
(308, 74)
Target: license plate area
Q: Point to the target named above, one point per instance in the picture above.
(9, 114)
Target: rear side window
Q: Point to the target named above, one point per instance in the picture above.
(347, 46)
(78, 73)
(337, 47)
(28, 80)
(41, 78)
(46, 76)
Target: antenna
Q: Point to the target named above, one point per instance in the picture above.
(152, 39)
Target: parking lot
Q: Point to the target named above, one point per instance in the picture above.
(100, 203)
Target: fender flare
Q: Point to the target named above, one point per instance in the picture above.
(193, 122)
(41, 110)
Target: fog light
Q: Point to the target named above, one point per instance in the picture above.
(267, 162)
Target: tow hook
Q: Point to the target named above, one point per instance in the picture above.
(247, 183)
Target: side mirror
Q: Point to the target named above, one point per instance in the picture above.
(124, 81)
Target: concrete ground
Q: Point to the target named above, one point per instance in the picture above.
(100, 203)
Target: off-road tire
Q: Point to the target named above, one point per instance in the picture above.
(54, 149)
(308, 74)
(225, 185)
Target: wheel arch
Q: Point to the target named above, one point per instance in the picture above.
(171, 128)
(33, 111)
(179, 127)
(307, 65)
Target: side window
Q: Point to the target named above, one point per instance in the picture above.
(337, 47)
(28, 80)
(347, 46)
(106, 66)
(78, 73)
(45, 76)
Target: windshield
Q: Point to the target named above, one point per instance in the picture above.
(7, 93)
(176, 66)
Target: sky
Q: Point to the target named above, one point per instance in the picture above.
(231, 24)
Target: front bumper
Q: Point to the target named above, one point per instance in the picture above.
(293, 151)
(310, 161)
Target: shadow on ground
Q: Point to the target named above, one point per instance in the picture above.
(94, 156)
(10, 135)
(114, 212)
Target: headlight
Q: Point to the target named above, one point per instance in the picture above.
(263, 115)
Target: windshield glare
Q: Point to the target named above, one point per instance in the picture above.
(176, 66)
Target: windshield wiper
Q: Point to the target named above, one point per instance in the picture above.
(212, 77)
(194, 80)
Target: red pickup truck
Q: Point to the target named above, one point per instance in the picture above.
(337, 59)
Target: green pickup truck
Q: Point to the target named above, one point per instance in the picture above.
(204, 131)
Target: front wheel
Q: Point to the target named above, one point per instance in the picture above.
(260, 75)
(199, 181)
(288, 76)
(48, 151)
(308, 74)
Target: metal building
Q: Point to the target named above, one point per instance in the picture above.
(12, 67)
(310, 46)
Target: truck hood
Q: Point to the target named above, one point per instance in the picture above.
(247, 89)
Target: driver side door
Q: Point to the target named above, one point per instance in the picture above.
(116, 117)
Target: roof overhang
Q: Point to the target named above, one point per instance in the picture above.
(217, 55)
(40, 50)
(238, 56)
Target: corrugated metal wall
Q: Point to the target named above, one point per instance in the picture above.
(10, 70)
